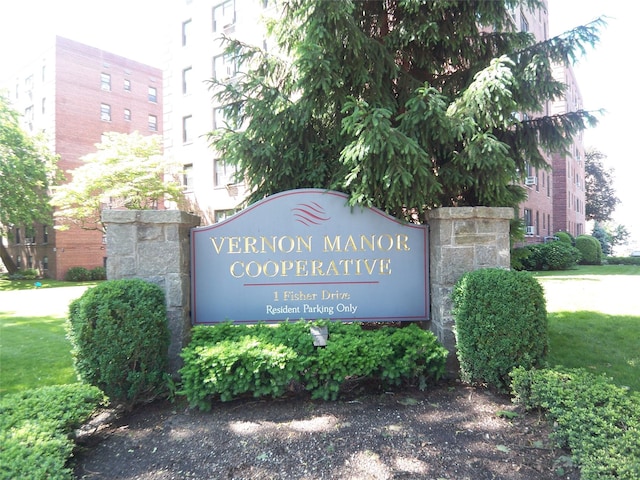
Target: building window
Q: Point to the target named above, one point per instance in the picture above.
(153, 94)
(29, 261)
(16, 235)
(524, 25)
(127, 114)
(186, 31)
(127, 85)
(45, 263)
(44, 105)
(19, 262)
(153, 123)
(220, 215)
(45, 234)
(224, 67)
(105, 82)
(105, 112)
(187, 127)
(224, 16)
(187, 177)
(224, 174)
(29, 235)
(186, 80)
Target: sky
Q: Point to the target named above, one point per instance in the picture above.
(137, 29)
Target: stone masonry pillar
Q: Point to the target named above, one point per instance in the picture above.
(153, 245)
(462, 239)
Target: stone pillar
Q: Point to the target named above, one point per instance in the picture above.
(153, 245)
(462, 239)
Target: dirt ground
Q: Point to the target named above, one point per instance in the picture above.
(450, 431)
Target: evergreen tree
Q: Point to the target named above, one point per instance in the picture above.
(402, 104)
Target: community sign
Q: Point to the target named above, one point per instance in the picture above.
(306, 254)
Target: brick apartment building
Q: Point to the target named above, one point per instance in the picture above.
(74, 93)
(555, 198)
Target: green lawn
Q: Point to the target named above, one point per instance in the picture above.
(594, 320)
(34, 350)
(594, 323)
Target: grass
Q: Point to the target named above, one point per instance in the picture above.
(594, 320)
(592, 270)
(34, 351)
(8, 285)
(600, 343)
(594, 323)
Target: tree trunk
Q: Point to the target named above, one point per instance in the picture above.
(6, 258)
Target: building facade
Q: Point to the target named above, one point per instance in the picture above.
(196, 55)
(569, 201)
(73, 93)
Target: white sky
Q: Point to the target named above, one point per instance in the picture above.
(137, 29)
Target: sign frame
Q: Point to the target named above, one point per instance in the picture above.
(307, 254)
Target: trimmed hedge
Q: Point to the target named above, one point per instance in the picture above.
(226, 360)
(120, 339)
(500, 323)
(37, 426)
(556, 255)
(597, 420)
(590, 250)
(565, 237)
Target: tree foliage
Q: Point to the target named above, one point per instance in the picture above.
(126, 170)
(26, 171)
(601, 200)
(399, 103)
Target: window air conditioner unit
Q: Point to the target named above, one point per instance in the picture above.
(531, 230)
(531, 181)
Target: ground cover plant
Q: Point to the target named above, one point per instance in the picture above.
(226, 361)
(597, 420)
(37, 427)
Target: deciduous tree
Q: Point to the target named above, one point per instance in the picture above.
(601, 200)
(26, 170)
(400, 103)
(125, 171)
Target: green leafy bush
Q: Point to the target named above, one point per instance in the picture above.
(77, 274)
(500, 323)
(36, 429)
(120, 338)
(26, 274)
(565, 237)
(555, 255)
(590, 250)
(622, 260)
(598, 421)
(98, 273)
(228, 360)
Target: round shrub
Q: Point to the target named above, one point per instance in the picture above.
(564, 237)
(120, 339)
(98, 273)
(559, 256)
(77, 274)
(590, 250)
(500, 323)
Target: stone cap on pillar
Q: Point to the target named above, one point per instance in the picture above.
(452, 213)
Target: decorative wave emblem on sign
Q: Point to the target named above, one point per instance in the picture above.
(310, 214)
